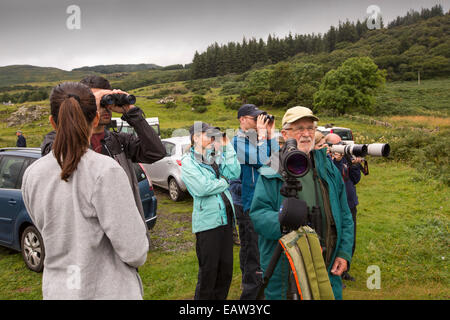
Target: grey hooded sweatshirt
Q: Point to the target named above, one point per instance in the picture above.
(93, 234)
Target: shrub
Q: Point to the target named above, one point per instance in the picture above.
(232, 103)
(170, 105)
(199, 101)
(200, 109)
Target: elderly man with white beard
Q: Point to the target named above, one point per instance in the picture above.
(323, 187)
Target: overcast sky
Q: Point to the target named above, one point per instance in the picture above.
(164, 32)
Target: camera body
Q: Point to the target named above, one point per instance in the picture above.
(118, 99)
(267, 116)
(357, 150)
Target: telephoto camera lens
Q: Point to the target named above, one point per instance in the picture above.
(378, 149)
(357, 150)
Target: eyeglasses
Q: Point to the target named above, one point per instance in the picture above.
(302, 129)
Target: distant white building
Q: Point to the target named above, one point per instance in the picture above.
(8, 103)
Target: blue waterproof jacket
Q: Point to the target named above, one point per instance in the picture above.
(264, 214)
(252, 155)
(209, 210)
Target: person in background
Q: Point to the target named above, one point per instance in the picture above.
(254, 143)
(319, 140)
(281, 141)
(83, 206)
(350, 169)
(21, 141)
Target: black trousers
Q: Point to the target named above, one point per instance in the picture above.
(248, 255)
(353, 211)
(215, 259)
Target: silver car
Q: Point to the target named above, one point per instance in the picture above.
(166, 173)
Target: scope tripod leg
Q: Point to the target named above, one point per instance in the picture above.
(269, 271)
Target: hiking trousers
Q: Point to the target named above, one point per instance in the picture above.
(215, 260)
(248, 255)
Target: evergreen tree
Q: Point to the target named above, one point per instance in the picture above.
(330, 39)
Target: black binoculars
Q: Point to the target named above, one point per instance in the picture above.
(118, 99)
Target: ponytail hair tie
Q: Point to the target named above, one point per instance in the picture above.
(70, 95)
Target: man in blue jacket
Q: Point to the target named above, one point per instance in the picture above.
(254, 144)
(299, 123)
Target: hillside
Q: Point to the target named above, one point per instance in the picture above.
(19, 74)
(422, 44)
(402, 51)
(107, 69)
(25, 74)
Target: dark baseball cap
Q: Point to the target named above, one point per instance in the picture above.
(199, 126)
(249, 110)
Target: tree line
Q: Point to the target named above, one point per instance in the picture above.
(33, 95)
(238, 57)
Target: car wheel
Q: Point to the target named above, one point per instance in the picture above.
(33, 251)
(175, 192)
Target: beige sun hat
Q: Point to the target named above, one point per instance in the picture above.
(295, 113)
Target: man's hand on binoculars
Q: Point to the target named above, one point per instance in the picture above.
(265, 128)
(119, 109)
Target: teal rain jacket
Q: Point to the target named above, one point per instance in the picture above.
(209, 209)
(264, 214)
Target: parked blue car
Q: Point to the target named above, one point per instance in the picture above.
(17, 231)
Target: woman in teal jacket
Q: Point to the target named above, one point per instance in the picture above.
(206, 178)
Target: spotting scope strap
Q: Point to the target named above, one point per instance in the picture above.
(302, 249)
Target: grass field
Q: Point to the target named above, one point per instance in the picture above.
(402, 228)
(403, 216)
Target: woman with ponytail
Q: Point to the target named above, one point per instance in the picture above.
(79, 200)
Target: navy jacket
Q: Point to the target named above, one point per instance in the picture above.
(351, 175)
(236, 191)
(21, 141)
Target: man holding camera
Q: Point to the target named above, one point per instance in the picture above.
(322, 188)
(125, 148)
(254, 144)
(350, 169)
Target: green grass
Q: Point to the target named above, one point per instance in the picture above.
(403, 216)
(431, 98)
(402, 228)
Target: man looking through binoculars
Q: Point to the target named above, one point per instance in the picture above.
(324, 193)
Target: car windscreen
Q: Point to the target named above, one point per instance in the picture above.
(344, 134)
